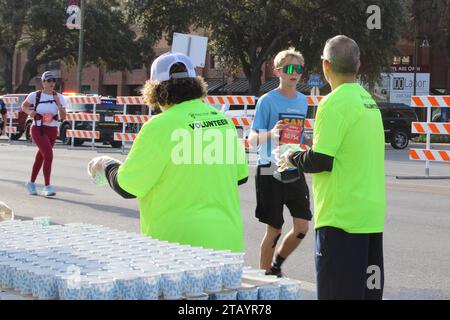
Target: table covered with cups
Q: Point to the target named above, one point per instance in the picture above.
(79, 261)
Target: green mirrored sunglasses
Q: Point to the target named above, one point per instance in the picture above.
(290, 68)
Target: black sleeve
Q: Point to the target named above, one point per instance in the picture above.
(111, 175)
(242, 181)
(312, 162)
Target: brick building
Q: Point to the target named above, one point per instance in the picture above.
(98, 80)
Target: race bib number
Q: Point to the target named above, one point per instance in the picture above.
(293, 128)
(47, 118)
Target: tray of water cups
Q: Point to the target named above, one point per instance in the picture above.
(79, 261)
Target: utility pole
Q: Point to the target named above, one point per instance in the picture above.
(80, 48)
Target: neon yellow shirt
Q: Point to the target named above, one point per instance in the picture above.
(349, 128)
(188, 193)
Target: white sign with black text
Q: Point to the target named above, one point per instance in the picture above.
(402, 86)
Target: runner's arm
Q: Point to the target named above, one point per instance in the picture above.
(26, 105)
(61, 104)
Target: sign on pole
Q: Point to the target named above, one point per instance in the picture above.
(315, 91)
(315, 80)
(193, 46)
(73, 12)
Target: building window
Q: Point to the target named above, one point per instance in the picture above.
(85, 89)
(216, 62)
(403, 60)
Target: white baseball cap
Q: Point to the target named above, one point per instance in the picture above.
(161, 67)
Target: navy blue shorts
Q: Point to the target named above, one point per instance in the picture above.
(349, 266)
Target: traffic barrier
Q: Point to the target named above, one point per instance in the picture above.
(126, 118)
(241, 121)
(309, 124)
(11, 130)
(131, 100)
(10, 101)
(429, 155)
(131, 118)
(83, 99)
(83, 134)
(88, 117)
(83, 117)
(430, 101)
(431, 127)
(128, 137)
(314, 100)
(13, 114)
(230, 100)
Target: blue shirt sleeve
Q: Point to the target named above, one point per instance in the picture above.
(262, 116)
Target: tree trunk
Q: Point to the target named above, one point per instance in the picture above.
(7, 71)
(29, 71)
(448, 57)
(254, 81)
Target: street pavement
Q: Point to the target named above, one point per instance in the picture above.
(416, 238)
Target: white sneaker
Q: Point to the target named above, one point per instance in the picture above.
(48, 191)
(31, 187)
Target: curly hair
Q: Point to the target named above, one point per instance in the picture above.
(173, 91)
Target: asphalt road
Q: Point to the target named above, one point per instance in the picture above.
(416, 238)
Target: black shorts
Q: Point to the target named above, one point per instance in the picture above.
(272, 195)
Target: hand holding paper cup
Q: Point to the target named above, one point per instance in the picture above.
(96, 168)
(283, 153)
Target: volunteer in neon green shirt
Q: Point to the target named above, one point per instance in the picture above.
(185, 165)
(347, 162)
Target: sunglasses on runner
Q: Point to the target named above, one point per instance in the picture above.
(290, 68)
(51, 80)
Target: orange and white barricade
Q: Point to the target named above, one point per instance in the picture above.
(231, 100)
(243, 122)
(128, 137)
(128, 118)
(10, 130)
(87, 117)
(430, 128)
(84, 134)
(11, 114)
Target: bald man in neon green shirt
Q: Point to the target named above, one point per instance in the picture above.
(347, 162)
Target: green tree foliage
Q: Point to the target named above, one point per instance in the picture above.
(432, 18)
(109, 40)
(249, 32)
(12, 20)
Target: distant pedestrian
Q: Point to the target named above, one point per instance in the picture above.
(47, 105)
